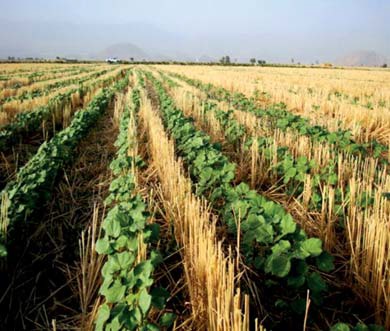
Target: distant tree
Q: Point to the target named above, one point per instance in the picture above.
(261, 62)
(253, 61)
(292, 60)
(384, 65)
(225, 59)
(132, 59)
(58, 58)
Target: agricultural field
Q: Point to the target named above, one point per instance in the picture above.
(194, 197)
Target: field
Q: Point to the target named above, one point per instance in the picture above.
(183, 197)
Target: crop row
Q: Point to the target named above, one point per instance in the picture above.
(324, 190)
(35, 180)
(271, 241)
(31, 121)
(18, 81)
(50, 87)
(128, 270)
(20, 78)
(278, 117)
(288, 169)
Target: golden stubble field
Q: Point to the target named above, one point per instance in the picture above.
(357, 99)
(306, 150)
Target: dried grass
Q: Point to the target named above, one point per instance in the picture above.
(366, 239)
(324, 96)
(210, 275)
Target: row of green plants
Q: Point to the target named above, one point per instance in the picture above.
(34, 182)
(51, 87)
(168, 79)
(271, 241)
(278, 117)
(293, 172)
(31, 121)
(354, 100)
(35, 76)
(128, 285)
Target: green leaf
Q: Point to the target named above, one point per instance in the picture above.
(125, 260)
(112, 264)
(113, 227)
(291, 172)
(114, 325)
(313, 246)
(296, 282)
(150, 327)
(340, 327)
(155, 258)
(121, 242)
(153, 232)
(287, 225)
(115, 293)
(279, 265)
(332, 179)
(136, 316)
(102, 316)
(361, 327)
(102, 246)
(145, 300)
(256, 228)
(143, 271)
(167, 319)
(325, 262)
(315, 283)
(159, 297)
(281, 247)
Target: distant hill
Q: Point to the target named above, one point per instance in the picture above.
(363, 59)
(123, 51)
(50, 39)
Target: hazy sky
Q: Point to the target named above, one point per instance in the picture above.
(301, 28)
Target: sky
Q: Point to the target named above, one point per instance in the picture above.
(274, 29)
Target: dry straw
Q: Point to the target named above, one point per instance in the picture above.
(210, 274)
(366, 237)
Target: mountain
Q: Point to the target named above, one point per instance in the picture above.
(87, 40)
(142, 40)
(363, 59)
(123, 51)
